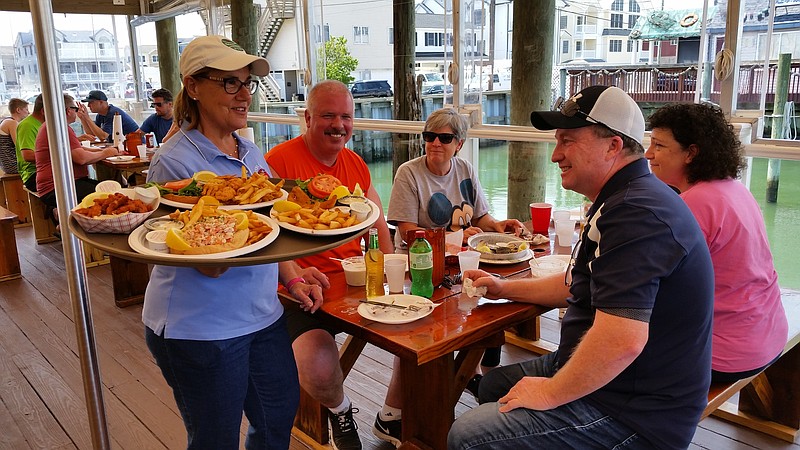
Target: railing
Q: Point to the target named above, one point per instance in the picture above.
(90, 76)
(86, 53)
(585, 29)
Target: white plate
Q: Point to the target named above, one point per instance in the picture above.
(394, 316)
(120, 158)
(527, 256)
(373, 216)
(258, 205)
(137, 242)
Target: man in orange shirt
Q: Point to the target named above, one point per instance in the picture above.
(321, 149)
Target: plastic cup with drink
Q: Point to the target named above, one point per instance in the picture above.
(395, 274)
(540, 217)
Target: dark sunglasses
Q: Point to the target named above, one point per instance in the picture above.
(74, 108)
(569, 107)
(233, 85)
(444, 138)
(156, 104)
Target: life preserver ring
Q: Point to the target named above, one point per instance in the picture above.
(689, 20)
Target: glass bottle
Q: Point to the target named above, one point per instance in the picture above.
(420, 256)
(374, 262)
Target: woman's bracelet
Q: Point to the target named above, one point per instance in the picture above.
(294, 281)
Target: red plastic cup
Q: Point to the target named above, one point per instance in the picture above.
(540, 217)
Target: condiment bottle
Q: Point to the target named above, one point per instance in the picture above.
(374, 262)
(420, 256)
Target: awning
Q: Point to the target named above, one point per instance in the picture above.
(673, 24)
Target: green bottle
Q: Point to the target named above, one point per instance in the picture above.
(420, 256)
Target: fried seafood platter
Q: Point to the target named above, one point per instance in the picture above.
(255, 190)
(209, 229)
(113, 212)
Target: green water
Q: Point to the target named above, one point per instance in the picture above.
(782, 219)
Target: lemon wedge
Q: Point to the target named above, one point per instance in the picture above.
(357, 191)
(285, 206)
(175, 240)
(88, 201)
(209, 200)
(340, 192)
(241, 220)
(204, 176)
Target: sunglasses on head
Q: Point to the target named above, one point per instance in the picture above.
(444, 138)
(569, 108)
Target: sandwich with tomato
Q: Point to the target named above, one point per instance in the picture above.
(182, 191)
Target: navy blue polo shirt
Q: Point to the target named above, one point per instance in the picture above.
(106, 122)
(642, 248)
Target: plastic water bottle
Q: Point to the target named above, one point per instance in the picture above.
(374, 262)
(420, 256)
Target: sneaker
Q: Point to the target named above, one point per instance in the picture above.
(389, 430)
(473, 384)
(344, 430)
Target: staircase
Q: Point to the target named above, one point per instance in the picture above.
(275, 13)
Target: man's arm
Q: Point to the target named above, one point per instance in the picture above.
(607, 348)
(28, 154)
(83, 157)
(89, 127)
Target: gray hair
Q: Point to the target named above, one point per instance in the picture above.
(448, 117)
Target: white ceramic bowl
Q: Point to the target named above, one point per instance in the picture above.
(355, 271)
(548, 265)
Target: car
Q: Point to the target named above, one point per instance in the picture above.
(130, 90)
(438, 89)
(371, 88)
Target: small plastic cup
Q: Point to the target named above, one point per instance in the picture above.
(468, 260)
(564, 230)
(540, 217)
(561, 214)
(142, 149)
(395, 274)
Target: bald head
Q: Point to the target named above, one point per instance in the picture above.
(326, 88)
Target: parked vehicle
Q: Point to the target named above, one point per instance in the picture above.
(438, 89)
(371, 88)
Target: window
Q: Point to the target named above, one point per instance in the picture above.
(563, 23)
(434, 39)
(633, 6)
(477, 17)
(581, 20)
(142, 59)
(154, 59)
(616, 5)
(565, 47)
(578, 46)
(630, 46)
(616, 20)
(361, 35)
(632, 21)
(391, 35)
(615, 46)
(323, 35)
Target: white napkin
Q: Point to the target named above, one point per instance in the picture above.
(452, 242)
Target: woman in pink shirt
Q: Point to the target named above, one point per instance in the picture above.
(695, 150)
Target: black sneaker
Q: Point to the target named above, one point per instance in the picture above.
(473, 384)
(389, 430)
(344, 430)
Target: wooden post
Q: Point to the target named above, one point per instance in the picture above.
(778, 108)
(407, 103)
(167, 45)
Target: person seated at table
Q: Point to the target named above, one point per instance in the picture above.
(633, 365)
(8, 134)
(25, 146)
(218, 334)
(694, 149)
(329, 119)
(103, 124)
(160, 122)
(438, 189)
(81, 159)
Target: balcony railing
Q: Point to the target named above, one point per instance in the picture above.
(89, 53)
(90, 76)
(585, 29)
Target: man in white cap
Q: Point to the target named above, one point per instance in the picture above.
(634, 360)
(103, 124)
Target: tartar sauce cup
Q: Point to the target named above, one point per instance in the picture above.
(157, 240)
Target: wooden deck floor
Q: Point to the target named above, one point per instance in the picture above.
(41, 393)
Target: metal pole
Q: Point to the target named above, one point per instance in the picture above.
(44, 37)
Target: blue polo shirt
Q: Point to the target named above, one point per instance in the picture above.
(642, 249)
(157, 125)
(106, 122)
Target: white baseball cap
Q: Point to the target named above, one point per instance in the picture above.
(219, 52)
(609, 106)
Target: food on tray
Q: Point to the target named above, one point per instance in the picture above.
(208, 229)
(318, 218)
(244, 190)
(111, 204)
(322, 185)
(181, 191)
(500, 248)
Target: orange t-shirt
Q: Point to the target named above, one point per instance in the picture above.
(293, 160)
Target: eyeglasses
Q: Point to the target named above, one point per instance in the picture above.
(74, 108)
(233, 85)
(158, 104)
(571, 265)
(569, 107)
(444, 138)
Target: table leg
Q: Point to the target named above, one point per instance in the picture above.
(130, 281)
(428, 410)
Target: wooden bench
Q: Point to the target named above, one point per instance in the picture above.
(44, 229)
(13, 198)
(769, 402)
(9, 258)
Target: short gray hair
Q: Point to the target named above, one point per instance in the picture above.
(448, 117)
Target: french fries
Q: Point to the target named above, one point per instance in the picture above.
(318, 218)
(244, 190)
(258, 229)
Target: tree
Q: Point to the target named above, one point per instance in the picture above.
(338, 62)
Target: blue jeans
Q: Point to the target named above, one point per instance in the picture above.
(574, 425)
(214, 381)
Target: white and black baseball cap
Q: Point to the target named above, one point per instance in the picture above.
(609, 106)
